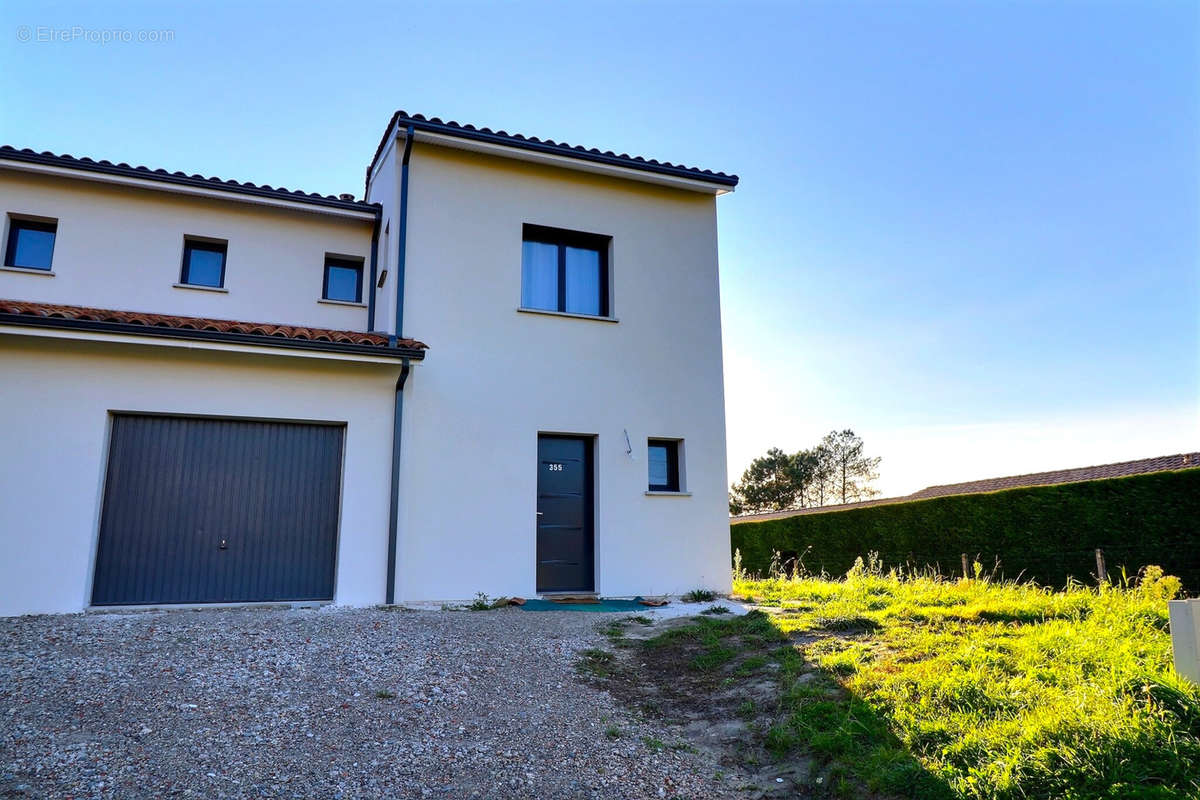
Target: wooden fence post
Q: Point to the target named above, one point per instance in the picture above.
(966, 572)
(1101, 572)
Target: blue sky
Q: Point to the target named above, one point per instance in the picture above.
(969, 231)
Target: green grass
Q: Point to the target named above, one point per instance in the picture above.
(926, 687)
(699, 596)
(596, 662)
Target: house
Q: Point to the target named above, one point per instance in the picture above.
(219, 392)
(1100, 472)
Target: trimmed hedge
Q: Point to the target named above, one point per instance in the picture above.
(1046, 533)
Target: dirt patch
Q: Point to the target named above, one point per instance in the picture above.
(720, 694)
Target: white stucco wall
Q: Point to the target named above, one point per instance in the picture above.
(54, 413)
(122, 248)
(497, 377)
(385, 185)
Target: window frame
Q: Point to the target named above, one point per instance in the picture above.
(562, 239)
(347, 263)
(673, 483)
(191, 243)
(16, 224)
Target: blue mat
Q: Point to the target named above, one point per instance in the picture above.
(604, 606)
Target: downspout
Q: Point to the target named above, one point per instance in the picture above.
(402, 235)
(374, 267)
(398, 418)
(394, 508)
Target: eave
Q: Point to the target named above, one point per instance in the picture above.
(126, 333)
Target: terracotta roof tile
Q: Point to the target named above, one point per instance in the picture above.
(266, 329)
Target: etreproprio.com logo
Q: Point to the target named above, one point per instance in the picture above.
(81, 33)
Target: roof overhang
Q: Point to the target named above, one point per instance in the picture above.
(194, 186)
(551, 159)
(503, 145)
(125, 333)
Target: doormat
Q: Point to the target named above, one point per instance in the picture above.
(603, 605)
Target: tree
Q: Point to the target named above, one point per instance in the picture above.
(819, 488)
(768, 484)
(850, 472)
(835, 471)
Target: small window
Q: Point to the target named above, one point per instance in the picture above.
(663, 457)
(343, 280)
(203, 263)
(30, 243)
(564, 271)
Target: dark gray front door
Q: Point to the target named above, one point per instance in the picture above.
(218, 511)
(564, 524)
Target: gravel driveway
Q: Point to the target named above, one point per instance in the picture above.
(325, 703)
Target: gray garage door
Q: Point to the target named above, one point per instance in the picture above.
(218, 511)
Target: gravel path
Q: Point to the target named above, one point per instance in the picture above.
(324, 703)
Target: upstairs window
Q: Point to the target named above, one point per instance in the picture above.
(663, 458)
(564, 271)
(30, 243)
(203, 263)
(343, 280)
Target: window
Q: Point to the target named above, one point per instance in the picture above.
(203, 263)
(663, 457)
(343, 280)
(30, 243)
(564, 271)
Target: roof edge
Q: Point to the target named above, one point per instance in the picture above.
(23, 313)
(546, 146)
(260, 340)
(84, 164)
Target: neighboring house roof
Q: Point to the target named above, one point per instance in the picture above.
(18, 312)
(1159, 464)
(452, 128)
(1077, 475)
(10, 153)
